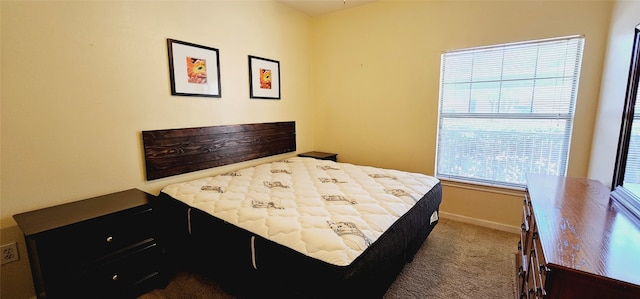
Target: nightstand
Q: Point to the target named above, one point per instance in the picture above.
(102, 247)
(320, 155)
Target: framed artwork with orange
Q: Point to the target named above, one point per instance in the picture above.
(194, 69)
(264, 78)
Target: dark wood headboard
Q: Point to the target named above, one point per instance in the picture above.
(176, 151)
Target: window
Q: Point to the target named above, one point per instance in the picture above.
(626, 177)
(507, 110)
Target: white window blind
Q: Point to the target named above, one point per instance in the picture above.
(507, 110)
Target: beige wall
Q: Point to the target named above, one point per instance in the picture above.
(81, 79)
(626, 16)
(376, 81)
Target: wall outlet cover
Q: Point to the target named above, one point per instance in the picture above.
(9, 253)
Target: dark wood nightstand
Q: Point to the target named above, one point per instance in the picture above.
(320, 155)
(102, 247)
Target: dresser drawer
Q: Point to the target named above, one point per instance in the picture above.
(520, 276)
(533, 282)
(521, 264)
(527, 213)
(540, 265)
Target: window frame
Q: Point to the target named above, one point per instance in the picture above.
(625, 196)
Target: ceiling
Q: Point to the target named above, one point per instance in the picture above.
(320, 7)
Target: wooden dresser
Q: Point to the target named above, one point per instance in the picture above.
(575, 242)
(102, 247)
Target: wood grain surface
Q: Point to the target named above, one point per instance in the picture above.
(177, 151)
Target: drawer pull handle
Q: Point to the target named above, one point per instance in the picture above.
(109, 239)
(544, 269)
(114, 277)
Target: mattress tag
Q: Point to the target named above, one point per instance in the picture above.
(434, 217)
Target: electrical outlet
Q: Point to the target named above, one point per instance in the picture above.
(9, 253)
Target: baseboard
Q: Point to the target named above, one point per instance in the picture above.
(481, 222)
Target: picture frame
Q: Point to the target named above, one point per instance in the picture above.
(194, 70)
(264, 78)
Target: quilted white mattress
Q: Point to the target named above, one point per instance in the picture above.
(327, 210)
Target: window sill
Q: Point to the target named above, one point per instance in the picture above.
(452, 179)
(460, 184)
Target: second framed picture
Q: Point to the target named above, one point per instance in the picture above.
(264, 78)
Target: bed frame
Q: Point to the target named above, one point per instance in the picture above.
(197, 241)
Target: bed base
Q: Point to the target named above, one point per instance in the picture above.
(252, 266)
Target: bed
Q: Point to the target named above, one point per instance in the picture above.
(296, 227)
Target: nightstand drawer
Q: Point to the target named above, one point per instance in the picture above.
(98, 237)
(119, 277)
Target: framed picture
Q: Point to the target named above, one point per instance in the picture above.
(194, 69)
(264, 78)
